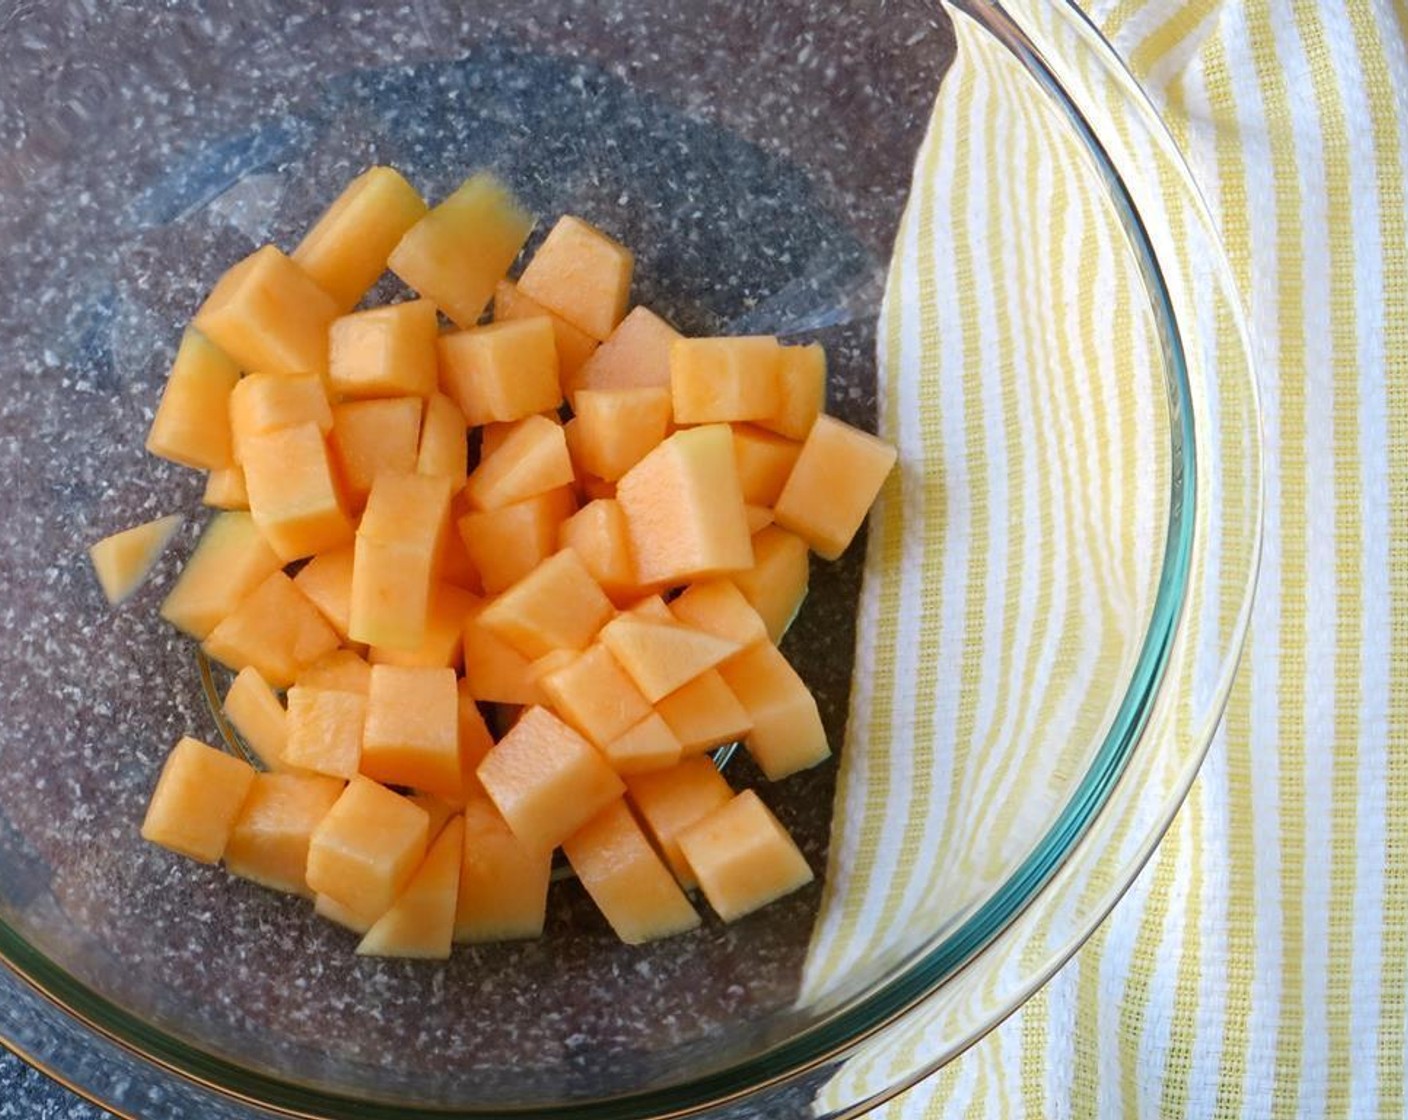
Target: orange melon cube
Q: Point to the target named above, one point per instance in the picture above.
(555, 606)
(626, 879)
(704, 714)
(258, 715)
(765, 460)
(411, 736)
(443, 645)
(776, 584)
(636, 355)
(231, 560)
(421, 922)
(663, 656)
(836, 480)
(475, 740)
(385, 352)
(742, 857)
(503, 881)
(346, 250)
(197, 799)
(501, 371)
(801, 380)
(531, 460)
(717, 607)
(293, 493)
(327, 581)
(581, 274)
(546, 780)
(325, 906)
(759, 518)
(266, 402)
(574, 346)
(787, 734)
(192, 422)
(123, 560)
(507, 543)
(548, 664)
(369, 437)
(492, 436)
(669, 801)
(366, 848)
(649, 745)
(652, 608)
(275, 629)
(339, 671)
(597, 533)
(269, 843)
(325, 730)
(594, 488)
(724, 379)
(617, 428)
(494, 671)
(440, 812)
(594, 695)
(458, 252)
(226, 489)
(456, 566)
(444, 442)
(684, 509)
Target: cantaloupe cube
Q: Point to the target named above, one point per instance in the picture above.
(443, 645)
(123, 560)
(259, 717)
(327, 581)
(475, 742)
(836, 480)
(192, 422)
(459, 251)
(801, 379)
(684, 509)
(663, 656)
(325, 731)
(581, 274)
(412, 730)
(399, 543)
(787, 733)
(574, 346)
(456, 566)
(349, 917)
(196, 800)
(649, 745)
(385, 352)
(776, 584)
(594, 488)
(293, 493)
(594, 695)
(626, 879)
(503, 881)
(765, 461)
(444, 442)
(507, 543)
(347, 248)
(266, 402)
(369, 437)
(226, 489)
(492, 436)
(759, 518)
(501, 371)
(268, 315)
(717, 607)
(704, 714)
(421, 922)
(269, 843)
(617, 428)
(555, 606)
(494, 671)
(742, 857)
(547, 780)
(532, 460)
(275, 629)
(231, 560)
(597, 533)
(724, 379)
(669, 801)
(366, 848)
(545, 666)
(653, 608)
(340, 671)
(440, 812)
(636, 355)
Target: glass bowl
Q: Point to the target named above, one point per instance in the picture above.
(1020, 671)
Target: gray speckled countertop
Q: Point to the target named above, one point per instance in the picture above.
(26, 1094)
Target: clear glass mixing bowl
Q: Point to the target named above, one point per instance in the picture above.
(1021, 673)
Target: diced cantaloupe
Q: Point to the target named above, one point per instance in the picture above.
(663, 656)
(626, 879)
(581, 274)
(653, 608)
(594, 488)
(475, 742)
(801, 380)
(636, 355)
(259, 717)
(494, 671)
(684, 509)
(369, 437)
(438, 809)
(503, 881)
(717, 607)
(787, 733)
(531, 460)
(275, 629)
(327, 581)
(742, 857)
(492, 436)
(765, 461)
(669, 801)
(836, 480)
(293, 492)
(347, 248)
(444, 442)
(366, 848)
(551, 662)
(269, 843)
(555, 606)
(574, 345)
(501, 371)
(226, 489)
(421, 922)
(231, 560)
(546, 779)
(266, 402)
(594, 695)
(325, 730)
(704, 714)
(759, 518)
(443, 644)
(412, 729)
(456, 566)
(458, 252)
(123, 560)
(192, 422)
(349, 917)
(617, 428)
(196, 800)
(385, 352)
(724, 379)
(269, 315)
(597, 533)
(649, 745)
(507, 543)
(777, 582)
(342, 670)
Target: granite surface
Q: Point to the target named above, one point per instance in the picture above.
(26, 1094)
